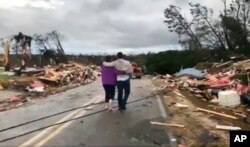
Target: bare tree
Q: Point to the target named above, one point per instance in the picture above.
(56, 37)
(230, 32)
(202, 18)
(49, 45)
(235, 20)
(179, 24)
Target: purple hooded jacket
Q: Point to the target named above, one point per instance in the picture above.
(109, 75)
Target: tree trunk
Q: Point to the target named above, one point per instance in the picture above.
(218, 37)
(192, 35)
(7, 45)
(24, 57)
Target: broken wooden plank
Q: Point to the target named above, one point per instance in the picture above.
(217, 113)
(233, 128)
(165, 124)
(181, 105)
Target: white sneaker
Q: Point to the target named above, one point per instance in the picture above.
(106, 105)
(110, 105)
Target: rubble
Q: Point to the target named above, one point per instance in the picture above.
(248, 115)
(40, 82)
(36, 86)
(226, 84)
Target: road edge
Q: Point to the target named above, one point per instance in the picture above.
(165, 116)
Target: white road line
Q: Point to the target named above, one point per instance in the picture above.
(165, 116)
(53, 128)
(162, 109)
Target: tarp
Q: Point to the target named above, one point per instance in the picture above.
(191, 72)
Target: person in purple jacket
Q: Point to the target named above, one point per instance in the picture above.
(108, 75)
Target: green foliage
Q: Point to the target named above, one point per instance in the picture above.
(172, 61)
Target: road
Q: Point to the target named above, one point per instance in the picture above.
(97, 129)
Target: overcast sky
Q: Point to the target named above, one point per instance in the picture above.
(97, 26)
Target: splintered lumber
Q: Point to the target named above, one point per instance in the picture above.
(165, 124)
(181, 105)
(216, 113)
(227, 128)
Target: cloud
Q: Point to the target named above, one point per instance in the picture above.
(97, 24)
(45, 4)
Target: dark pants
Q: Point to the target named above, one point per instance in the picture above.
(123, 93)
(109, 92)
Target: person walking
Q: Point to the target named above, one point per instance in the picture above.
(123, 81)
(108, 75)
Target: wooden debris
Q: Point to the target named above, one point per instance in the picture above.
(227, 127)
(65, 74)
(165, 124)
(216, 113)
(181, 105)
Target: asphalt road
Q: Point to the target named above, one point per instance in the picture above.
(99, 129)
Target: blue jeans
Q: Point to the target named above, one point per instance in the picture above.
(123, 93)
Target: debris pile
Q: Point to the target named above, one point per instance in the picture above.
(226, 84)
(40, 82)
(65, 74)
(37, 79)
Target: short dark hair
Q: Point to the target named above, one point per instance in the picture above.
(120, 55)
(108, 59)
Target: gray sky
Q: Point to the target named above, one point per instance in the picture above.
(97, 26)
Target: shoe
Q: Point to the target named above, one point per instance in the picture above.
(110, 105)
(106, 106)
(123, 107)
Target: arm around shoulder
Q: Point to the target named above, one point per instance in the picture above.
(109, 64)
